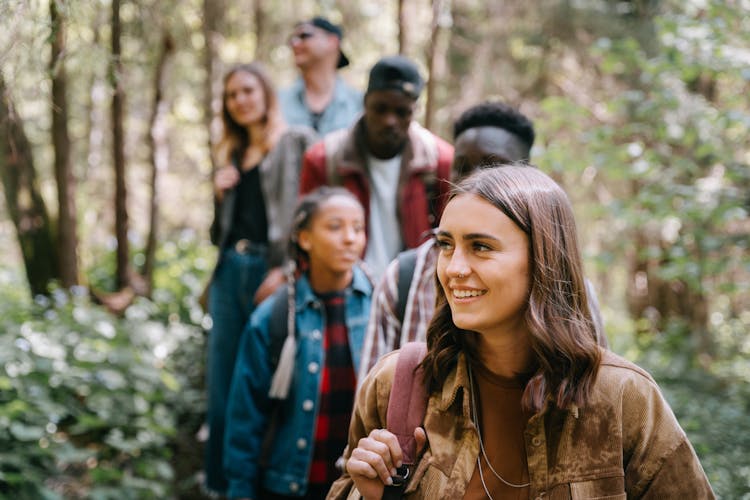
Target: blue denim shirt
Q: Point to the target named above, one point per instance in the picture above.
(344, 108)
(290, 456)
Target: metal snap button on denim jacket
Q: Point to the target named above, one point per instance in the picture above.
(247, 414)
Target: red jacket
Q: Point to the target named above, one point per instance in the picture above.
(340, 159)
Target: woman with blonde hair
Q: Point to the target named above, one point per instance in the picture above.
(522, 401)
(255, 191)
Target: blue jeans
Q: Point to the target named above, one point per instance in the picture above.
(230, 303)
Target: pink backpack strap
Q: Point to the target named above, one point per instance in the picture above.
(407, 403)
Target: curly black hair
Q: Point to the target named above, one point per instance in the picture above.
(496, 114)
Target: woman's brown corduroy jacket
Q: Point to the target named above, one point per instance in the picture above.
(625, 444)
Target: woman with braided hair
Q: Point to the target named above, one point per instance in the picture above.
(312, 384)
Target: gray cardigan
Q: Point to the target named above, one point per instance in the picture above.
(279, 181)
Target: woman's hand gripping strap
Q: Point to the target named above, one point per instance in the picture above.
(407, 405)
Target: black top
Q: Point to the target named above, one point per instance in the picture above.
(316, 120)
(249, 220)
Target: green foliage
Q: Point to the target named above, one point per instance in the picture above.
(663, 177)
(655, 159)
(90, 404)
(183, 265)
(712, 404)
(678, 151)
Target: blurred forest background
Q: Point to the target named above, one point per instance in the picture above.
(642, 109)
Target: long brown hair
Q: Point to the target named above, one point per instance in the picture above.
(235, 138)
(562, 331)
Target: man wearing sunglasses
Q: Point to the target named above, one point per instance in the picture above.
(319, 98)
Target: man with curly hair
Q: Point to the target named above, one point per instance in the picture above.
(487, 134)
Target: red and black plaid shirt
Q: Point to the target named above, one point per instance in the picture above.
(336, 393)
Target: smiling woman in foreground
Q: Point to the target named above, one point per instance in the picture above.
(522, 401)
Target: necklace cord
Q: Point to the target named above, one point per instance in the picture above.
(475, 419)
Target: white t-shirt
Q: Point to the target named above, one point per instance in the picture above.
(384, 231)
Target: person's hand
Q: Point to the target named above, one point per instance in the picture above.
(374, 461)
(271, 282)
(225, 178)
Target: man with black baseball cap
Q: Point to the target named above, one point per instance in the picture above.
(397, 168)
(319, 98)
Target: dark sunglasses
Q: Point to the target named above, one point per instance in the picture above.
(301, 37)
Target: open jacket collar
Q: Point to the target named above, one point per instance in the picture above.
(419, 154)
(305, 295)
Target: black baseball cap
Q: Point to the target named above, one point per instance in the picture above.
(396, 73)
(334, 29)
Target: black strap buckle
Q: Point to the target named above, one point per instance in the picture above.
(396, 491)
(245, 246)
(402, 474)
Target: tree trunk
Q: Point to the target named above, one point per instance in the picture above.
(401, 27)
(95, 107)
(159, 156)
(67, 239)
(259, 20)
(467, 57)
(23, 199)
(118, 150)
(436, 49)
(212, 12)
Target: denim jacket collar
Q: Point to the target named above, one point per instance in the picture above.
(298, 88)
(305, 295)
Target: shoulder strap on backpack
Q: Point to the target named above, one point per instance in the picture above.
(407, 402)
(407, 405)
(407, 261)
(278, 325)
(278, 330)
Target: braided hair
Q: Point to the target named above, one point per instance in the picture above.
(297, 263)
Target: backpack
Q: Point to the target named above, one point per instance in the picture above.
(278, 329)
(407, 405)
(407, 261)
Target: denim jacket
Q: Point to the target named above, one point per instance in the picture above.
(290, 455)
(345, 106)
